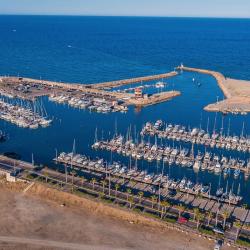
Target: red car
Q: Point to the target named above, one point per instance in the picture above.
(182, 220)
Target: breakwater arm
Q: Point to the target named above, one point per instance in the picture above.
(237, 92)
(220, 78)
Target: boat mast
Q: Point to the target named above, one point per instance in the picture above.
(242, 131)
(228, 130)
(207, 125)
(222, 126)
(215, 120)
(238, 192)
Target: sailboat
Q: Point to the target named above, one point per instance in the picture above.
(219, 191)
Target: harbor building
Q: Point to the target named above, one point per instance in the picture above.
(138, 93)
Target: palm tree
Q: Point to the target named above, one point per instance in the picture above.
(104, 183)
(209, 217)
(165, 204)
(73, 173)
(196, 212)
(199, 218)
(153, 200)
(46, 176)
(181, 209)
(129, 191)
(93, 180)
(225, 216)
(140, 194)
(117, 186)
(237, 224)
(131, 200)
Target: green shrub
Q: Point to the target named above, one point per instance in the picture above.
(206, 230)
(243, 241)
(170, 219)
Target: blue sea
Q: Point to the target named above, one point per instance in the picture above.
(97, 49)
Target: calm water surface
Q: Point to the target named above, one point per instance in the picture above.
(96, 49)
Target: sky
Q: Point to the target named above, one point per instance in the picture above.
(185, 8)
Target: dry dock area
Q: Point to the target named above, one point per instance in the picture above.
(237, 92)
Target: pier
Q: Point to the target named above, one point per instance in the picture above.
(27, 88)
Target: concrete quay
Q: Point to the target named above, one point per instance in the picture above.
(27, 88)
(118, 83)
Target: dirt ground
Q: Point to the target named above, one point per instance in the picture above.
(28, 222)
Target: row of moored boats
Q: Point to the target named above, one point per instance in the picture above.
(196, 136)
(173, 155)
(22, 117)
(168, 185)
(85, 101)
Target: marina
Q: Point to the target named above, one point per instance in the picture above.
(171, 144)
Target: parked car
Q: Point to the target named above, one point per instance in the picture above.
(182, 220)
(218, 230)
(218, 245)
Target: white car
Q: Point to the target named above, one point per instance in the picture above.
(218, 245)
